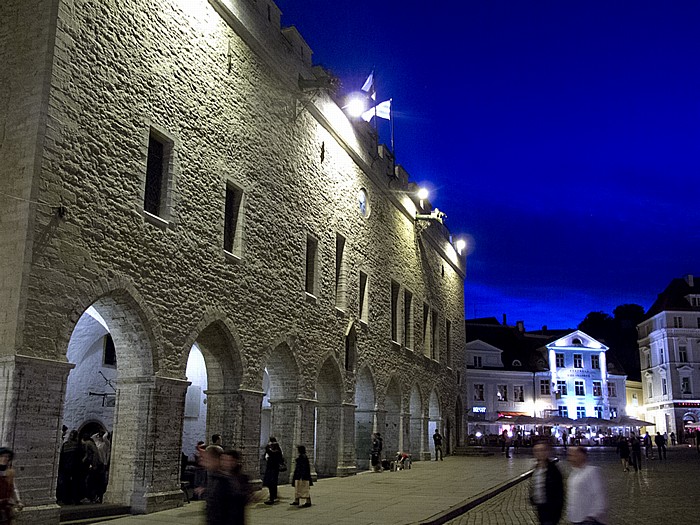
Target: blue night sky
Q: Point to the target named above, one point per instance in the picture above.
(563, 137)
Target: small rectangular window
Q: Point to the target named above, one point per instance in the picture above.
(578, 360)
(650, 389)
(578, 387)
(612, 390)
(560, 360)
(595, 362)
(341, 284)
(544, 387)
(477, 361)
(580, 412)
(664, 388)
(232, 224)
(683, 354)
(310, 281)
(685, 386)
(519, 394)
(677, 322)
(109, 355)
(562, 388)
(426, 330)
(597, 389)
(435, 336)
(364, 297)
(502, 393)
(448, 341)
(395, 289)
(613, 412)
(158, 175)
(478, 392)
(408, 319)
(563, 411)
(599, 412)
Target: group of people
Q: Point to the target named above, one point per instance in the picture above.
(629, 449)
(301, 479)
(83, 468)
(586, 501)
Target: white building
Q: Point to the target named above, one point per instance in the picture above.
(511, 373)
(669, 346)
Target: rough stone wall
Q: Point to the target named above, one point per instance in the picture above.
(122, 68)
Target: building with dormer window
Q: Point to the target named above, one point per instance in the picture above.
(669, 347)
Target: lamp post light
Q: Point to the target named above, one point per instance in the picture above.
(460, 245)
(355, 106)
(422, 195)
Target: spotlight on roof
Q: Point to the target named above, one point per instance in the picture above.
(422, 194)
(461, 244)
(355, 106)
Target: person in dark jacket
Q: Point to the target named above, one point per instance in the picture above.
(623, 450)
(547, 486)
(274, 457)
(227, 489)
(636, 452)
(302, 478)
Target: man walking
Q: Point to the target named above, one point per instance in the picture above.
(547, 486)
(437, 439)
(660, 445)
(587, 501)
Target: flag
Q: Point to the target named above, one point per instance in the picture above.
(368, 86)
(381, 110)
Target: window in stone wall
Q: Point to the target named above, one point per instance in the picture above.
(562, 388)
(448, 342)
(578, 388)
(341, 282)
(364, 297)
(650, 388)
(664, 386)
(408, 320)
(612, 390)
(426, 330)
(233, 225)
(685, 386)
(580, 412)
(478, 392)
(677, 321)
(502, 392)
(544, 387)
(599, 412)
(683, 354)
(559, 360)
(311, 270)
(597, 389)
(395, 290)
(595, 362)
(578, 360)
(435, 336)
(518, 393)
(160, 151)
(563, 411)
(109, 354)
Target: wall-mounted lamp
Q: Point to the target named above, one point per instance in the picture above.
(435, 215)
(460, 245)
(422, 194)
(356, 105)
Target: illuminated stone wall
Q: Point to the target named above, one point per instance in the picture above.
(225, 93)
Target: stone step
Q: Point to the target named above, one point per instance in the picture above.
(92, 513)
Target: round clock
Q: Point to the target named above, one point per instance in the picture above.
(363, 202)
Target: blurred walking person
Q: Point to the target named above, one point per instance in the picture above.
(587, 500)
(546, 486)
(273, 467)
(10, 503)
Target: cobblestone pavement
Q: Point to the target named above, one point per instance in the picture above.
(662, 492)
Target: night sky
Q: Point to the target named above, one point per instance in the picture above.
(561, 137)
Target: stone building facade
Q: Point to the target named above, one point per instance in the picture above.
(177, 169)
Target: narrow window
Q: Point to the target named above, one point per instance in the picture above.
(350, 349)
(518, 394)
(232, 235)
(477, 361)
(448, 341)
(408, 319)
(612, 390)
(154, 176)
(597, 389)
(109, 356)
(677, 322)
(502, 392)
(683, 354)
(561, 388)
(478, 392)
(364, 297)
(685, 385)
(395, 289)
(650, 389)
(578, 386)
(426, 330)
(613, 412)
(580, 412)
(578, 360)
(311, 265)
(435, 336)
(664, 387)
(559, 360)
(544, 387)
(563, 411)
(595, 362)
(341, 284)
(599, 412)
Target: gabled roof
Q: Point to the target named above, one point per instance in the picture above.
(577, 340)
(673, 298)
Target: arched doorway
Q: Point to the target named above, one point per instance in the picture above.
(328, 419)
(416, 426)
(392, 422)
(280, 403)
(365, 417)
(434, 420)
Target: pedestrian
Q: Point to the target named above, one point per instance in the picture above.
(505, 443)
(301, 480)
(200, 473)
(673, 439)
(623, 450)
(225, 497)
(217, 442)
(69, 466)
(648, 449)
(273, 466)
(635, 452)
(101, 474)
(565, 439)
(547, 486)
(376, 453)
(586, 501)
(660, 445)
(437, 439)
(10, 502)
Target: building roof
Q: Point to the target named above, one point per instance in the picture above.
(673, 298)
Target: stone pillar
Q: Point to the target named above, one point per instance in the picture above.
(285, 414)
(223, 416)
(347, 464)
(425, 453)
(406, 439)
(249, 436)
(32, 393)
(365, 426)
(145, 470)
(305, 432)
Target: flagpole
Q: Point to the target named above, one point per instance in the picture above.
(391, 124)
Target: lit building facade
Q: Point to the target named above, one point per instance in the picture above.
(197, 240)
(669, 346)
(511, 372)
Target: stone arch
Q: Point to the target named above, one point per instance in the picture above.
(392, 417)
(280, 403)
(365, 416)
(134, 404)
(213, 405)
(434, 420)
(416, 427)
(328, 421)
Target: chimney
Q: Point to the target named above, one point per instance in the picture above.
(504, 320)
(689, 279)
(521, 326)
(544, 327)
